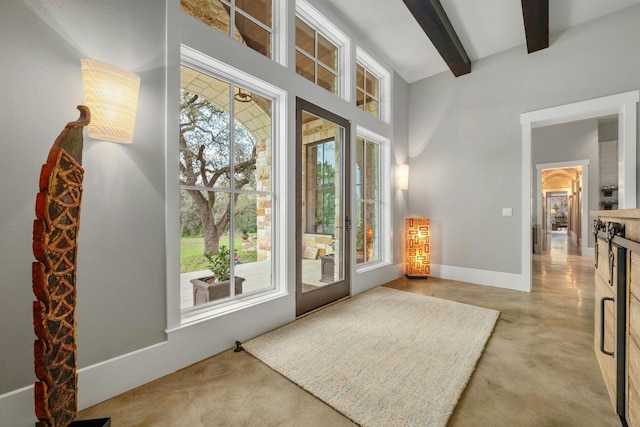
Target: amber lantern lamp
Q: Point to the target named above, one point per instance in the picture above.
(416, 254)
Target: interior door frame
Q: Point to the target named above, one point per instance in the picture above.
(317, 298)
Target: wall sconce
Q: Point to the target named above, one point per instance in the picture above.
(111, 93)
(242, 95)
(402, 176)
(416, 254)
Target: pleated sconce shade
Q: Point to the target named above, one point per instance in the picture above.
(111, 93)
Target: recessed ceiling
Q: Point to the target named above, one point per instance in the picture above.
(484, 27)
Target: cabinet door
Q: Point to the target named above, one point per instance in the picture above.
(633, 344)
(605, 334)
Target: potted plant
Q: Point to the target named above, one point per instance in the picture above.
(244, 234)
(214, 287)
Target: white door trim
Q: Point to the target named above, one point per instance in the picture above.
(624, 105)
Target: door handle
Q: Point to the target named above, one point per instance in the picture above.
(602, 310)
(347, 222)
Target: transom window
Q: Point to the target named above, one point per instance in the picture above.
(226, 192)
(367, 91)
(316, 57)
(373, 86)
(248, 21)
(368, 201)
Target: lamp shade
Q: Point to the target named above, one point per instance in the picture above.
(111, 93)
(416, 255)
(402, 176)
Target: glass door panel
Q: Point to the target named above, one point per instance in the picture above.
(322, 197)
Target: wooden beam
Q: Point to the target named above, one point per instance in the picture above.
(436, 25)
(536, 24)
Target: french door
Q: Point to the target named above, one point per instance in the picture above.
(322, 207)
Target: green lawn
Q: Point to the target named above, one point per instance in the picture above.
(191, 249)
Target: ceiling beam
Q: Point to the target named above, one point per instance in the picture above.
(536, 24)
(435, 23)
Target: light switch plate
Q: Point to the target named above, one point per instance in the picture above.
(507, 212)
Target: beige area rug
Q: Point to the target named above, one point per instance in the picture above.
(383, 358)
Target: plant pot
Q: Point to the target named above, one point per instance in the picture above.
(327, 268)
(205, 289)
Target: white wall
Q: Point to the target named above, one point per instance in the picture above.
(123, 275)
(465, 139)
(121, 242)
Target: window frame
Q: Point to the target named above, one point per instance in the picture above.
(277, 31)
(329, 31)
(202, 63)
(385, 191)
(384, 76)
(367, 72)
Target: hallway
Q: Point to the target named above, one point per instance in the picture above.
(538, 369)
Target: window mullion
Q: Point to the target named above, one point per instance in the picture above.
(254, 20)
(232, 185)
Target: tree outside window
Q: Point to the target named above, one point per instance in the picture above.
(225, 172)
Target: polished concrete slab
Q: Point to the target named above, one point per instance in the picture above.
(538, 368)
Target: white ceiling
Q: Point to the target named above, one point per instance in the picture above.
(484, 27)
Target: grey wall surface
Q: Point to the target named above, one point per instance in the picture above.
(465, 141)
(608, 129)
(123, 283)
(121, 280)
(400, 155)
(564, 143)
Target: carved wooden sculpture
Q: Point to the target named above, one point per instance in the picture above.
(55, 235)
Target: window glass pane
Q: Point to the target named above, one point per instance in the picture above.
(371, 215)
(372, 177)
(204, 227)
(359, 166)
(214, 13)
(327, 79)
(305, 67)
(256, 37)
(373, 84)
(373, 107)
(321, 187)
(359, 76)
(327, 53)
(204, 130)
(360, 99)
(359, 233)
(259, 9)
(305, 37)
(252, 143)
(217, 14)
(368, 206)
(252, 223)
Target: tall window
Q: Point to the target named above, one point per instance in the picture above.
(367, 90)
(226, 196)
(368, 199)
(248, 21)
(316, 57)
(321, 181)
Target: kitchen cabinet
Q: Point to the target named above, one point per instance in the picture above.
(617, 309)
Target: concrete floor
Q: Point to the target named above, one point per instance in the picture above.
(538, 368)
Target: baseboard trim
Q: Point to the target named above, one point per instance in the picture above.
(516, 282)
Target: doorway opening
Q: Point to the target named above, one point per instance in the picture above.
(624, 106)
(562, 205)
